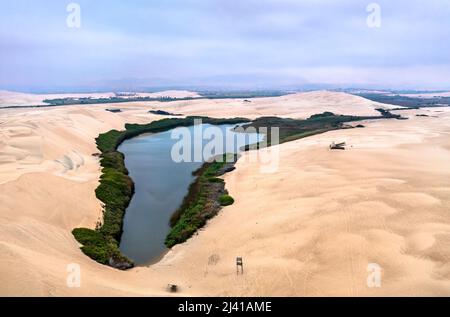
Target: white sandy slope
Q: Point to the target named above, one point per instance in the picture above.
(310, 228)
(300, 105)
(14, 99)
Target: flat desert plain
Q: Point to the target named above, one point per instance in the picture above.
(310, 228)
(10, 99)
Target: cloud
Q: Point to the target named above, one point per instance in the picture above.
(327, 41)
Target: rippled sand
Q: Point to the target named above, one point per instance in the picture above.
(310, 228)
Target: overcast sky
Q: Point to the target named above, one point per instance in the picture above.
(241, 42)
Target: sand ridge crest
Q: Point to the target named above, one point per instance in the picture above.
(308, 229)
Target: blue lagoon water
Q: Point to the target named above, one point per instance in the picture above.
(160, 186)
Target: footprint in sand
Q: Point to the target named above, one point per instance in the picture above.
(71, 161)
(213, 259)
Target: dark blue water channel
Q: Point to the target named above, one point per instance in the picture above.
(161, 184)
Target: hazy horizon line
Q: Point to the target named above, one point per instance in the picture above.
(211, 88)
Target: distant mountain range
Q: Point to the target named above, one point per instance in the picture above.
(236, 82)
(240, 82)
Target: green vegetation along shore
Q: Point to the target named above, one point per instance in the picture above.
(121, 99)
(408, 102)
(206, 195)
(116, 189)
(293, 129)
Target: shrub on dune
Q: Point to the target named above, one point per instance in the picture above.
(226, 200)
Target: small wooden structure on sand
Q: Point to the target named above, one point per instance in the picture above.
(337, 146)
(239, 264)
(172, 288)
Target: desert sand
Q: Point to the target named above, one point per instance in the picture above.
(15, 99)
(309, 228)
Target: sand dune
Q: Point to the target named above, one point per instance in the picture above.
(310, 228)
(300, 105)
(14, 99)
(11, 99)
